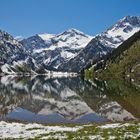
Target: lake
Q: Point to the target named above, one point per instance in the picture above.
(67, 100)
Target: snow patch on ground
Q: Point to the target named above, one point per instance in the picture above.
(110, 126)
(19, 130)
(91, 131)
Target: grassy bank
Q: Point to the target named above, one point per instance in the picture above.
(116, 131)
(89, 73)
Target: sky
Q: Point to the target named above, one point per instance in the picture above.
(29, 17)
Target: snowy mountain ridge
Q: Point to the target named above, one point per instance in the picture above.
(16, 59)
(71, 38)
(55, 50)
(46, 36)
(69, 51)
(103, 43)
(124, 29)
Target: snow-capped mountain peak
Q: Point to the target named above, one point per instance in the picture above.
(46, 36)
(133, 20)
(72, 38)
(72, 49)
(19, 38)
(120, 31)
(57, 49)
(73, 32)
(125, 28)
(104, 43)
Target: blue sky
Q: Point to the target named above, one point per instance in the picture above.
(28, 17)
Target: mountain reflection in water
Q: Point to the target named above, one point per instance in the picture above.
(47, 100)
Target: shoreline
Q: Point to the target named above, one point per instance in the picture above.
(91, 131)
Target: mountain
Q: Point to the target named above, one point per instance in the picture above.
(54, 50)
(46, 37)
(69, 51)
(14, 58)
(123, 61)
(103, 43)
(33, 42)
(10, 49)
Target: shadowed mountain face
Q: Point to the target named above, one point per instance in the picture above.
(44, 99)
(15, 59)
(123, 62)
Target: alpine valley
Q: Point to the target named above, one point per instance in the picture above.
(69, 51)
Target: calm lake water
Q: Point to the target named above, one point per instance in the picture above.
(63, 100)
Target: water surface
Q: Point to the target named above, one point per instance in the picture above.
(63, 100)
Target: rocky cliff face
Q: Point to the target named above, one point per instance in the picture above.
(14, 58)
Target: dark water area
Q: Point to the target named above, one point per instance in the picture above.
(67, 100)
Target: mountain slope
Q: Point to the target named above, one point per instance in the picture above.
(14, 58)
(46, 37)
(33, 42)
(103, 43)
(70, 51)
(10, 49)
(124, 61)
(57, 49)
